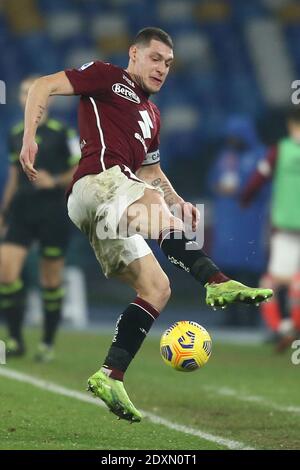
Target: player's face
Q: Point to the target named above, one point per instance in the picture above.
(152, 64)
(294, 130)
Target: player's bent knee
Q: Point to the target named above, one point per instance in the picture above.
(164, 291)
(51, 280)
(8, 273)
(271, 281)
(8, 276)
(267, 281)
(166, 294)
(157, 291)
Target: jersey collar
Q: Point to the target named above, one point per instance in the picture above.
(139, 88)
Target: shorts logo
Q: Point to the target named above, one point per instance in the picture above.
(125, 92)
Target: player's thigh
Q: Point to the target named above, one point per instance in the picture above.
(149, 215)
(148, 279)
(12, 258)
(284, 256)
(51, 272)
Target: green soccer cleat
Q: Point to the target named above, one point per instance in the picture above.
(45, 353)
(114, 395)
(220, 295)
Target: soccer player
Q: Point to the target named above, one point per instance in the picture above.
(35, 211)
(282, 164)
(118, 176)
(238, 158)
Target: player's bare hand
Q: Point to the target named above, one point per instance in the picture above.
(44, 180)
(27, 159)
(191, 214)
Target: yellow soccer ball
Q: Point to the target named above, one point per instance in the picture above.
(185, 346)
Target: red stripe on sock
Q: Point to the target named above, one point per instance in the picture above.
(217, 278)
(145, 305)
(115, 374)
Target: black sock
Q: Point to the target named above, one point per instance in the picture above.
(12, 307)
(196, 262)
(131, 330)
(52, 300)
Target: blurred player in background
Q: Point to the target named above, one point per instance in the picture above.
(282, 165)
(35, 211)
(238, 248)
(118, 176)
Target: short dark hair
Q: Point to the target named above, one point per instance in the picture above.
(293, 114)
(145, 35)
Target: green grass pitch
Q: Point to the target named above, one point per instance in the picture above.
(246, 395)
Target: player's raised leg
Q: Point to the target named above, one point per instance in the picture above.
(12, 295)
(173, 241)
(152, 289)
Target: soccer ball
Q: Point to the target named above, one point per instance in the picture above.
(185, 346)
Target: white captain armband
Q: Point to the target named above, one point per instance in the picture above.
(151, 158)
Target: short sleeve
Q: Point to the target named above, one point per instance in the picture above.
(92, 78)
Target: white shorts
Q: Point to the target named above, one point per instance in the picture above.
(96, 205)
(285, 254)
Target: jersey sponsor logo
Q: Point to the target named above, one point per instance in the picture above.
(125, 92)
(130, 82)
(85, 66)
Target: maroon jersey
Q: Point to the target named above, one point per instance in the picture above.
(118, 124)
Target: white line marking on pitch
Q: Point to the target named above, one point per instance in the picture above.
(230, 392)
(58, 389)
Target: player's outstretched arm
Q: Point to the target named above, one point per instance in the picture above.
(37, 100)
(154, 175)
